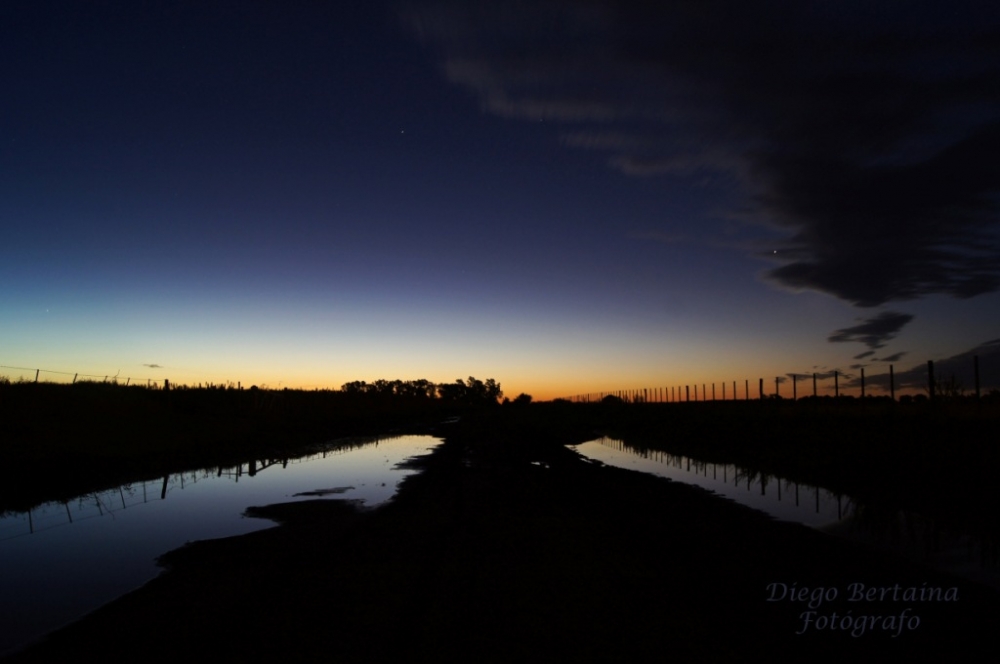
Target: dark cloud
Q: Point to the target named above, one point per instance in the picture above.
(861, 356)
(873, 332)
(153, 366)
(829, 375)
(895, 357)
(869, 137)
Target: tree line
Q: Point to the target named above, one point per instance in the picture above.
(469, 392)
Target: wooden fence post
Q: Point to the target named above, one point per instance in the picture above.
(930, 378)
(36, 374)
(892, 384)
(814, 383)
(836, 383)
(862, 382)
(746, 386)
(795, 393)
(74, 378)
(760, 388)
(776, 391)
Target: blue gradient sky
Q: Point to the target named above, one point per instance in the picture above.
(565, 197)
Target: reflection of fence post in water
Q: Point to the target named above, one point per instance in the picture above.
(163, 491)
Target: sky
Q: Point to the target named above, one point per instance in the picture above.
(566, 196)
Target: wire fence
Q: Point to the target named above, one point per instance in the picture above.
(796, 386)
(792, 385)
(35, 375)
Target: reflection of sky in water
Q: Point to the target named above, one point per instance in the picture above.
(725, 480)
(79, 558)
(951, 551)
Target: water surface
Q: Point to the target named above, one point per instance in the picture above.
(912, 535)
(62, 560)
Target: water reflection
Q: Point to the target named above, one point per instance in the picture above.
(927, 539)
(789, 501)
(62, 559)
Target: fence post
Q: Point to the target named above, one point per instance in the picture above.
(166, 384)
(862, 382)
(836, 384)
(795, 392)
(892, 384)
(760, 388)
(776, 391)
(74, 377)
(814, 383)
(930, 378)
(975, 367)
(746, 387)
(734, 390)
(127, 381)
(687, 391)
(36, 374)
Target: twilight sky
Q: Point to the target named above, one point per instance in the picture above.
(567, 196)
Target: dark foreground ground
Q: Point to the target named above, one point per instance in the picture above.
(509, 547)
